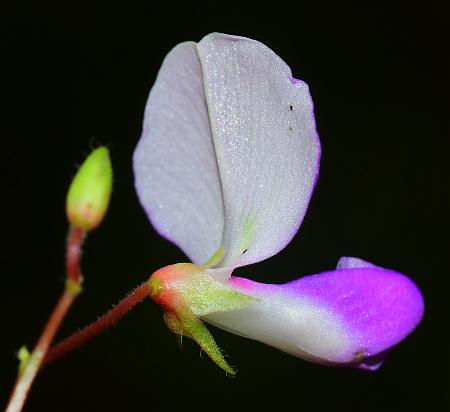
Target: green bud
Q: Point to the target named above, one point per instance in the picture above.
(23, 355)
(90, 191)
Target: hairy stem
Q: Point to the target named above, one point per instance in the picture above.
(29, 367)
(110, 318)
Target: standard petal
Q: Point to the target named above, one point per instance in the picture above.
(175, 165)
(347, 316)
(229, 154)
(266, 143)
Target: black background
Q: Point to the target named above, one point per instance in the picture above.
(78, 75)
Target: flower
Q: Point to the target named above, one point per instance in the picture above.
(225, 168)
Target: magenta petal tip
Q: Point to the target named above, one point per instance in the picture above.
(378, 307)
(351, 316)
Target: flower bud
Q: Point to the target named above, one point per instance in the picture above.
(90, 191)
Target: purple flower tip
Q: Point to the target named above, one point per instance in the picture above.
(379, 307)
(351, 316)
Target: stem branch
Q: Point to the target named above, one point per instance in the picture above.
(28, 373)
(109, 319)
(30, 367)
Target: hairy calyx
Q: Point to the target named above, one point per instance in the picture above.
(186, 292)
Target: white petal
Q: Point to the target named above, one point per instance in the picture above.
(347, 262)
(175, 166)
(266, 144)
(297, 326)
(229, 153)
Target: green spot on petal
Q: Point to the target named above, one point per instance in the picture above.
(216, 258)
(248, 232)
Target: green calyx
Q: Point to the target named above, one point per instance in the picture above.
(90, 191)
(205, 295)
(185, 324)
(187, 292)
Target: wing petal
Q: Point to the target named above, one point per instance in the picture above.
(175, 164)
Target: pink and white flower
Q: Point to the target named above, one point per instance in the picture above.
(225, 168)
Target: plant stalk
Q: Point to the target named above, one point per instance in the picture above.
(29, 367)
(110, 318)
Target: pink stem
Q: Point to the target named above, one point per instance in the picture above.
(73, 253)
(31, 366)
(109, 319)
